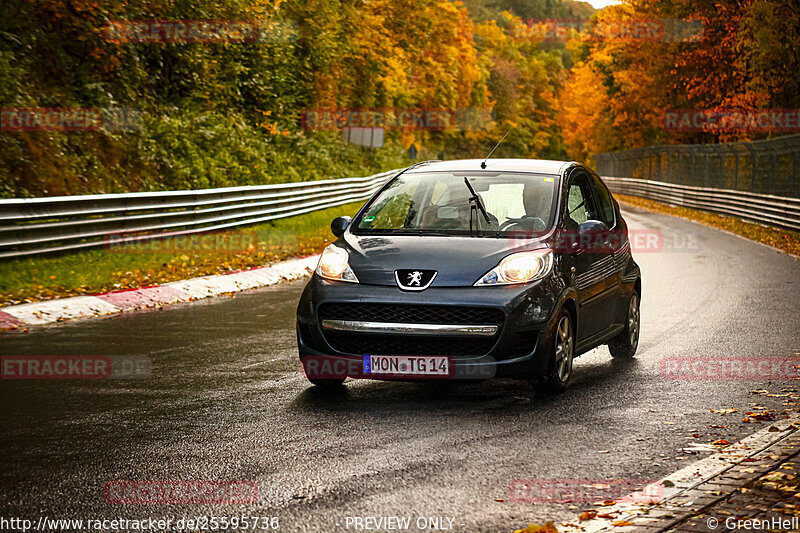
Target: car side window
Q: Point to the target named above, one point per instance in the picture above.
(579, 202)
(605, 203)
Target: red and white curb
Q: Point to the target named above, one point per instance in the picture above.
(16, 316)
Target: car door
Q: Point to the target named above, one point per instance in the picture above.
(614, 249)
(589, 265)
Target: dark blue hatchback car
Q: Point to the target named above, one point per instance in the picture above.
(470, 270)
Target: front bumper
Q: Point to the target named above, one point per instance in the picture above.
(528, 312)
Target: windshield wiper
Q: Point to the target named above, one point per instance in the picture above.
(475, 203)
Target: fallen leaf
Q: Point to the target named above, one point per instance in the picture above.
(778, 477)
(764, 416)
(548, 527)
(604, 503)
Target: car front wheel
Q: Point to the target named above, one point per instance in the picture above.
(561, 355)
(624, 345)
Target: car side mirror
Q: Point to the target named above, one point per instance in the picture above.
(592, 226)
(590, 235)
(340, 224)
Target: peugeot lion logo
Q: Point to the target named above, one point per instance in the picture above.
(414, 280)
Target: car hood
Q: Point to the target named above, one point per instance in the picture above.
(458, 261)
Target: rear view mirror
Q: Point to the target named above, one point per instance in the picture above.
(339, 225)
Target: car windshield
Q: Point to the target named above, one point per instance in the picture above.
(438, 203)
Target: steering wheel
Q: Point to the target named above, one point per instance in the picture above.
(528, 220)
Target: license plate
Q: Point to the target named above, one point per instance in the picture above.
(407, 365)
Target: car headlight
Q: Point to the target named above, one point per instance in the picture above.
(521, 267)
(333, 265)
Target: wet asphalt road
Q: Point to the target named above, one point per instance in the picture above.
(226, 401)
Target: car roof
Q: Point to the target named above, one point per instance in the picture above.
(538, 166)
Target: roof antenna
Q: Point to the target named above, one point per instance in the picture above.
(483, 163)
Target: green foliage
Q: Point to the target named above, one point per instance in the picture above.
(223, 114)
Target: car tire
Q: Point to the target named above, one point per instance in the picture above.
(560, 356)
(326, 383)
(624, 345)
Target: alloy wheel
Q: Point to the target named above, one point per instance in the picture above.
(634, 320)
(564, 349)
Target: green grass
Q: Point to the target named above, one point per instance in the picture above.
(109, 269)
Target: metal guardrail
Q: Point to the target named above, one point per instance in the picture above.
(42, 225)
(775, 211)
(769, 167)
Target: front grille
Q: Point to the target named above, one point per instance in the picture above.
(378, 344)
(373, 344)
(411, 314)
